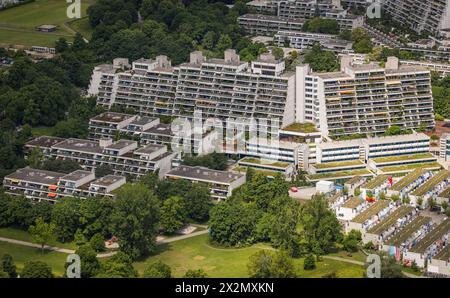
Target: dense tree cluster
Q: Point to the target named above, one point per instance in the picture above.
(319, 25)
(215, 161)
(261, 210)
(321, 60)
(441, 95)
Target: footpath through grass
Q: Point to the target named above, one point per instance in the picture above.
(22, 254)
(196, 253)
(18, 234)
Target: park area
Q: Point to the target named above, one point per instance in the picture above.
(197, 252)
(18, 24)
(191, 253)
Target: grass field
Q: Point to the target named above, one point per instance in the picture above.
(196, 252)
(17, 25)
(22, 254)
(18, 234)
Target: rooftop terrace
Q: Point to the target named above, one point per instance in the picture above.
(371, 211)
(431, 183)
(202, 173)
(305, 127)
(391, 219)
(432, 236)
(444, 254)
(408, 179)
(403, 157)
(339, 164)
(352, 203)
(375, 182)
(408, 230)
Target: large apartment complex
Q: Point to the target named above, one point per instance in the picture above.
(431, 16)
(219, 88)
(358, 99)
(365, 99)
(123, 157)
(40, 185)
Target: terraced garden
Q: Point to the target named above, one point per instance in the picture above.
(339, 174)
(404, 168)
(263, 162)
(402, 157)
(340, 164)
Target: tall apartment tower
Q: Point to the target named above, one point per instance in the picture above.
(220, 88)
(365, 99)
(421, 16)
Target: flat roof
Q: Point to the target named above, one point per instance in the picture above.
(352, 203)
(371, 211)
(143, 120)
(107, 180)
(36, 176)
(391, 219)
(161, 129)
(432, 236)
(112, 117)
(202, 173)
(44, 142)
(120, 144)
(261, 17)
(374, 140)
(149, 149)
(80, 145)
(76, 175)
(408, 230)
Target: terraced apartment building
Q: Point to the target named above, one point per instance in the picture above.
(220, 88)
(421, 16)
(124, 157)
(365, 99)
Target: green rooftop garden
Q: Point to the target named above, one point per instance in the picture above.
(371, 211)
(263, 162)
(431, 183)
(242, 169)
(389, 221)
(408, 179)
(427, 165)
(339, 174)
(402, 157)
(432, 236)
(408, 230)
(445, 193)
(338, 164)
(375, 182)
(305, 127)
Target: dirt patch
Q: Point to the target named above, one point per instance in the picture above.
(199, 258)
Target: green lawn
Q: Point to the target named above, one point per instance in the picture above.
(302, 127)
(196, 252)
(22, 254)
(82, 25)
(18, 234)
(17, 25)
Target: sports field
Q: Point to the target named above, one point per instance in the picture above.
(17, 24)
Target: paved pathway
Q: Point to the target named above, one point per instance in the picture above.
(101, 255)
